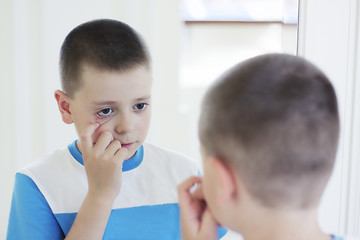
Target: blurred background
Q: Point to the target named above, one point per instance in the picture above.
(191, 43)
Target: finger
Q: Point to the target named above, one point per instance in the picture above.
(120, 155)
(103, 141)
(198, 193)
(184, 189)
(188, 183)
(86, 137)
(112, 148)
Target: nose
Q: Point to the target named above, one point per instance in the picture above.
(125, 123)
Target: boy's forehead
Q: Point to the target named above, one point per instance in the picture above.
(90, 69)
(102, 84)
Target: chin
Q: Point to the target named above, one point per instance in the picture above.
(132, 150)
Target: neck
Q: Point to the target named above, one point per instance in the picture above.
(282, 225)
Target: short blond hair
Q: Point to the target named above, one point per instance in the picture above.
(104, 44)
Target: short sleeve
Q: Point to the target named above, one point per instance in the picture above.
(30, 214)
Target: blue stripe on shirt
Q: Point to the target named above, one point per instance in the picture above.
(128, 165)
(145, 222)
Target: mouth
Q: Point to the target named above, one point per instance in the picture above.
(127, 145)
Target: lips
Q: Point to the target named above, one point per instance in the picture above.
(126, 145)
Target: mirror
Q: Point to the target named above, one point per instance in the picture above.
(191, 43)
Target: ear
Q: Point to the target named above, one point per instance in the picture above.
(226, 178)
(64, 106)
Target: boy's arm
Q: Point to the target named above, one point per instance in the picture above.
(197, 222)
(103, 165)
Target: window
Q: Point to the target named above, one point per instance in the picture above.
(220, 33)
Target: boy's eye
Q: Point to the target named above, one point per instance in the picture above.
(105, 112)
(140, 106)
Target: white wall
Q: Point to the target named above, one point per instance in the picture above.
(7, 125)
(329, 37)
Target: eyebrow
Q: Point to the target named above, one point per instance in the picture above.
(143, 98)
(103, 103)
(114, 102)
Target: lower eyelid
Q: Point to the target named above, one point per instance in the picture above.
(101, 117)
(104, 119)
(101, 121)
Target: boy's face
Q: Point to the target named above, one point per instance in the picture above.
(118, 101)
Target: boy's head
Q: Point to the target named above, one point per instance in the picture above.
(273, 122)
(103, 44)
(106, 79)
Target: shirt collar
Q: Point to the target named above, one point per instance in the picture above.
(128, 165)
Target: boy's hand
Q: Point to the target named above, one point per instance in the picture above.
(197, 222)
(103, 163)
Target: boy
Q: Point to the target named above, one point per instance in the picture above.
(109, 184)
(269, 131)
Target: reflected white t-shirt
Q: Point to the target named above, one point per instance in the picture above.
(48, 195)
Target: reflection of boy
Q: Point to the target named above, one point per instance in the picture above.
(127, 189)
(269, 130)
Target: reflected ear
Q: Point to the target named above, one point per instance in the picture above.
(64, 106)
(226, 178)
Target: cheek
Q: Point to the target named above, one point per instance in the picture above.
(144, 123)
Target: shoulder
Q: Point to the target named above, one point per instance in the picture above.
(162, 151)
(351, 238)
(170, 159)
(25, 218)
(47, 170)
(60, 179)
(336, 237)
(167, 154)
(48, 164)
